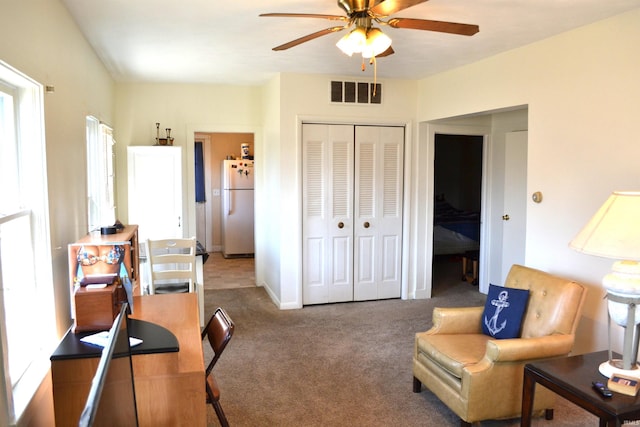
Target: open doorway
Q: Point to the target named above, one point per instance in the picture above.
(216, 147)
(457, 204)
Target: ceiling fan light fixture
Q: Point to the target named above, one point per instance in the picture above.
(377, 42)
(353, 42)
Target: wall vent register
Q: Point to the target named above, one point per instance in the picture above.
(356, 92)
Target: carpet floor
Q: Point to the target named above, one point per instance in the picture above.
(338, 364)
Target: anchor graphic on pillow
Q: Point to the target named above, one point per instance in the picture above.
(500, 304)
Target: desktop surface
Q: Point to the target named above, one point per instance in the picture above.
(169, 386)
(155, 339)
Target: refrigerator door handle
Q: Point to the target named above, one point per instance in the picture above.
(227, 195)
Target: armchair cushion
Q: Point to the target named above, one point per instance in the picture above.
(503, 312)
(453, 352)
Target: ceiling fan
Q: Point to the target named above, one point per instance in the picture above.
(366, 39)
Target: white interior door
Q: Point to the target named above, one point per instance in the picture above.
(378, 212)
(327, 200)
(514, 219)
(155, 191)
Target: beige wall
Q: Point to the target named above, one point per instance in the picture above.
(39, 38)
(186, 109)
(306, 98)
(268, 195)
(272, 113)
(54, 53)
(581, 89)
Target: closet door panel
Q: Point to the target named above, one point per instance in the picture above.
(390, 276)
(314, 251)
(327, 213)
(378, 215)
(340, 224)
(366, 252)
(365, 261)
(390, 283)
(341, 271)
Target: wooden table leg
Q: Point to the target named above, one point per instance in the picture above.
(528, 391)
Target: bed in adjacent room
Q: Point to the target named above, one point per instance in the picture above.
(455, 231)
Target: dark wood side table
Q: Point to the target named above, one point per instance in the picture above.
(571, 377)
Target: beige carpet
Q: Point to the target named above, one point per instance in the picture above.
(338, 364)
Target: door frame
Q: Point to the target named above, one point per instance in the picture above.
(189, 183)
(405, 291)
(423, 268)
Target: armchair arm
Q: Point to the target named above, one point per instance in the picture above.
(458, 320)
(521, 349)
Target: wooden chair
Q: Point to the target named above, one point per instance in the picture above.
(218, 331)
(172, 265)
(172, 268)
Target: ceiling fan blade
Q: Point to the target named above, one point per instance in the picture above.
(308, 37)
(389, 7)
(387, 52)
(439, 26)
(305, 15)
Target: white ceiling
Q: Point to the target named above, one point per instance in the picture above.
(213, 41)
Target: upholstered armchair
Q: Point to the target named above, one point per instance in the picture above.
(479, 377)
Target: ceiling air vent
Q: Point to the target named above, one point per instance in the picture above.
(356, 92)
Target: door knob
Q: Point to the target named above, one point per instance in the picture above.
(341, 224)
(505, 217)
(366, 224)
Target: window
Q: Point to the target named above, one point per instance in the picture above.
(26, 297)
(100, 174)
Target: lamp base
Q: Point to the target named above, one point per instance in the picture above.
(614, 366)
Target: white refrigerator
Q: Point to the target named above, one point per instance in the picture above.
(237, 208)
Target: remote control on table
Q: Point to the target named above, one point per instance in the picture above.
(602, 389)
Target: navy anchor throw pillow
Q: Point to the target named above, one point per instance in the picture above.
(503, 312)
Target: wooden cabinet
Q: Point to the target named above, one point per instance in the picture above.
(94, 254)
(127, 237)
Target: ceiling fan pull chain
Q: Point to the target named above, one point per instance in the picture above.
(375, 74)
(363, 66)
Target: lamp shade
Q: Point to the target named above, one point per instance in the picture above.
(353, 42)
(369, 42)
(377, 42)
(614, 231)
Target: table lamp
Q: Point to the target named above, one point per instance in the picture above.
(614, 232)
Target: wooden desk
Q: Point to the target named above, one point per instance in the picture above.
(169, 386)
(571, 378)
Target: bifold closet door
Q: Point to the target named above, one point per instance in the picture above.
(352, 195)
(327, 199)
